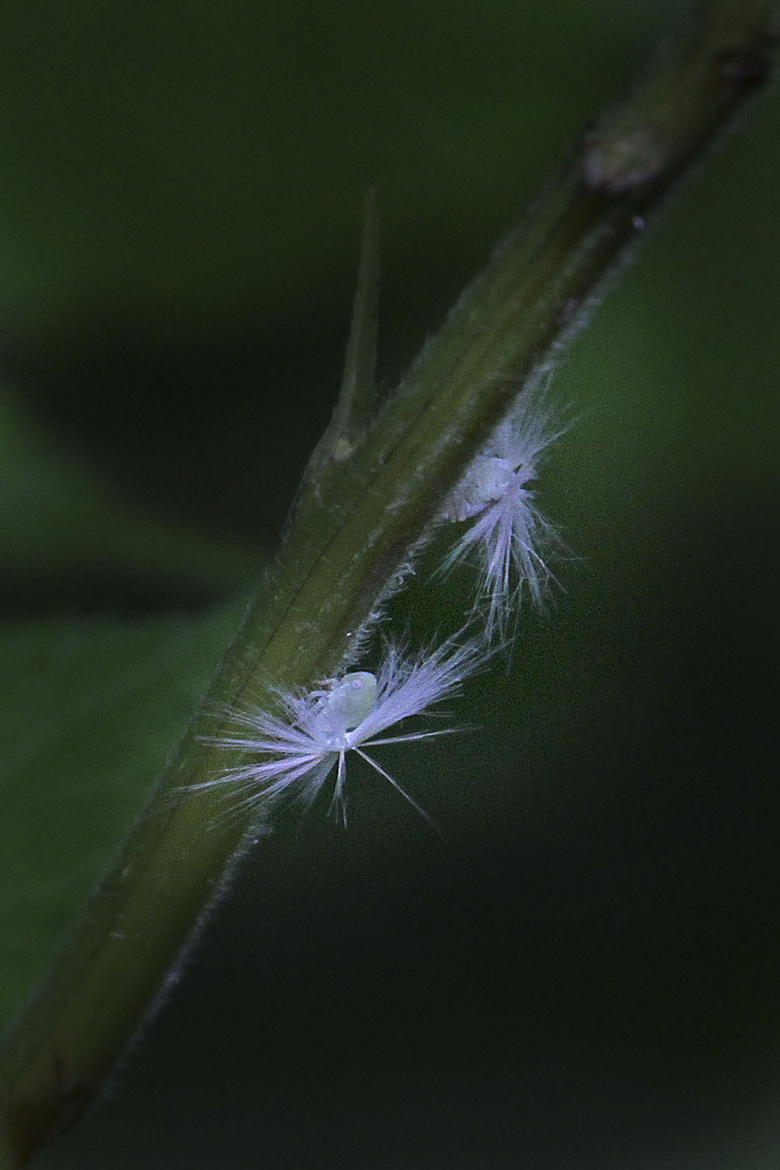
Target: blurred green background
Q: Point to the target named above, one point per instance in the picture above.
(585, 973)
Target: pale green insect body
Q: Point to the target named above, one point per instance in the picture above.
(349, 701)
(487, 480)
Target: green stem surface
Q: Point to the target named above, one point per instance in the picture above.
(359, 519)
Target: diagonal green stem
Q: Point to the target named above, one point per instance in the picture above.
(357, 524)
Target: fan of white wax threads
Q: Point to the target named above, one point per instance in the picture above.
(293, 753)
(304, 743)
(507, 534)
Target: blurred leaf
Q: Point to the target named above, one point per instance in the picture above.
(163, 158)
(66, 536)
(89, 715)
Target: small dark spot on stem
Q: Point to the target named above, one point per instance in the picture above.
(745, 67)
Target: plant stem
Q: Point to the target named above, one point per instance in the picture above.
(359, 519)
